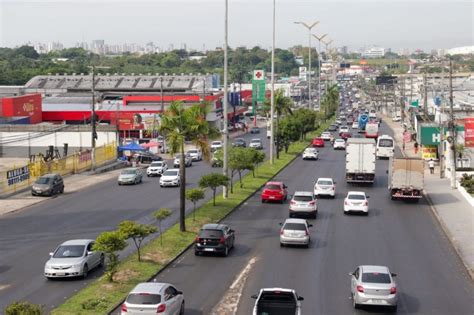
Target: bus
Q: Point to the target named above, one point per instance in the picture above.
(385, 146)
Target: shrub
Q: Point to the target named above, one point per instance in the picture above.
(467, 181)
(24, 308)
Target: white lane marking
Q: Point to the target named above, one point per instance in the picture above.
(4, 286)
(230, 301)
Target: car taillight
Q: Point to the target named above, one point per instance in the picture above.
(281, 192)
(293, 202)
(366, 203)
(333, 187)
(306, 232)
(222, 240)
(360, 288)
(124, 308)
(198, 239)
(393, 290)
(312, 203)
(161, 308)
(346, 202)
(281, 232)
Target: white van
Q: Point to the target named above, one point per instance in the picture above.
(385, 146)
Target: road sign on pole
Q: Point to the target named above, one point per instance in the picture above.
(258, 89)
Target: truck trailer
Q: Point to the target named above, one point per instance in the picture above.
(406, 178)
(360, 160)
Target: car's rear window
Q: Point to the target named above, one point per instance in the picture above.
(276, 297)
(295, 227)
(143, 298)
(324, 182)
(170, 173)
(302, 198)
(210, 233)
(156, 163)
(356, 197)
(44, 180)
(273, 187)
(375, 277)
(128, 172)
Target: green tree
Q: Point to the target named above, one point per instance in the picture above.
(194, 195)
(26, 51)
(110, 243)
(24, 308)
(160, 215)
(240, 159)
(179, 123)
(213, 181)
(282, 106)
(258, 157)
(137, 232)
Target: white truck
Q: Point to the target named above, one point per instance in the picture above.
(406, 179)
(360, 160)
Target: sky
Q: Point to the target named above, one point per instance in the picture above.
(395, 24)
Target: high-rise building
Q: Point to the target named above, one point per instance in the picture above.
(374, 52)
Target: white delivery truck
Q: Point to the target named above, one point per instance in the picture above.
(385, 146)
(360, 160)
(406, 178)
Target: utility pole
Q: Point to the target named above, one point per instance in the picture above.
(225, 130)
(93, 123)
(452, 127)
(402, 102)
(442, 160)
(272, 96)
(425, 95)
(162, 100)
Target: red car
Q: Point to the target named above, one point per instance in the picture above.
(274, 191)
(346, 135)
(318, 142)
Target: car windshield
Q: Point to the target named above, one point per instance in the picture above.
(128, 172)
(295, 227)
(210, 233)
(340, 140)
(143, 298)
(255, 140)
(69, 251)
(44, 180)
(273, 187)
(193, 151)
(375, 277)
(170, 173)
(324, 182)
(302, 198)
(216, 142)
(356, 197)
(386, 143)
(156, 163)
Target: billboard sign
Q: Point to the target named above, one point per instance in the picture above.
(429, 152)
(469, 132)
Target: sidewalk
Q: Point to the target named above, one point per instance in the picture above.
(452, 210)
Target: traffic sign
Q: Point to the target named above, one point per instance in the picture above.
(258, 75)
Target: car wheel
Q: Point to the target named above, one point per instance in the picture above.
(85, 271)
(181, 310)
(354, 304)
(102, 261)
(196, 253)
(290, 215)
(62, 190)
(263, 200)
(226, 252)
(393, 308)
(315, 215)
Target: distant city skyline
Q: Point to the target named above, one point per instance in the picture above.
(198, 24)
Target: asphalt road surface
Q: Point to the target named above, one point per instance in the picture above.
(403, 236)
(26, 237)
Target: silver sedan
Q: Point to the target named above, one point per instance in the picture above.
(373, 285)
(74, 258)
(130, 175)
(295, 232)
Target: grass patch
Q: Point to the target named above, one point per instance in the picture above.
(100, 297)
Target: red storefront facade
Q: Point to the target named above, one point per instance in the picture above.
(22, 106)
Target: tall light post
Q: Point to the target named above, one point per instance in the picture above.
(225, 129)
(327, 43)
(272, 96)
(309, 27)
(319, 38)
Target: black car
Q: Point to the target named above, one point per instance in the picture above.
(48, 185)
(255, 130)
(239, 142)
(332, 127)
(147, 158)
(214, 238)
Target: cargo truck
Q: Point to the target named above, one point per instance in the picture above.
(406, 179)
(360, 160)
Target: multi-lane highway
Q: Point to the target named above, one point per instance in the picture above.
(403, 236)
(26, 237)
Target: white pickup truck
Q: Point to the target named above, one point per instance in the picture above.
(277, 301)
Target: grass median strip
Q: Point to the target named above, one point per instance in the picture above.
(101, 296)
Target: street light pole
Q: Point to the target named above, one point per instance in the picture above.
(225, 129)
(93, 125)
(309, 27)
(320, 38)
(272, 96)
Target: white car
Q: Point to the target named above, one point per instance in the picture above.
(188, 161)
(373, 285)
(256, 144)
(325, 187)
(326, 136)
(195, 154)
(277, 301)
(303, 203)
(170, 178)
(356, 201)
(310, 154)
(74, 258)
(343, 129)
(339, 144)
(154, 298)
(216, 145)
(156, 168)
(295, 232)
(355, 125)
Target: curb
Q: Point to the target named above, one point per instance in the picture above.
(448, 234)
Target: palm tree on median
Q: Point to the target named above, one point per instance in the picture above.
(179, 124)
(282, 107)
